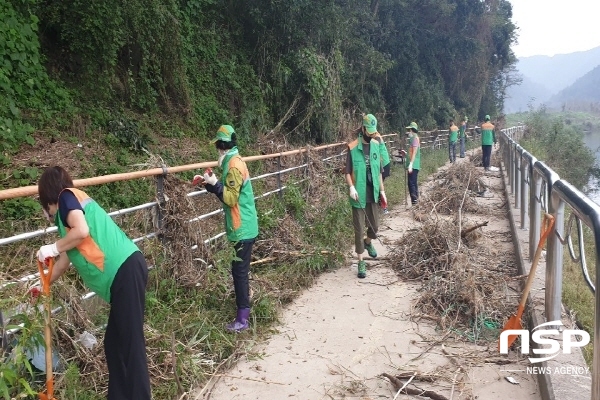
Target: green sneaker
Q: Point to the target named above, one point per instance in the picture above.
(362, 269)
(371, 249)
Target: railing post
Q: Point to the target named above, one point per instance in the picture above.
(517, 176)
(596, 356)
(554, 251)
(554, 260)
(511, 166)
(525, 182)
(279, 177)
(535, 206)
(160, 198)
(307, 162)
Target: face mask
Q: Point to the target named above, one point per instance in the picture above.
(366, 137)
(222, 154)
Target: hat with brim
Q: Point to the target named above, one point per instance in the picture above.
(413, 126)
(370, 124)
(223, 134)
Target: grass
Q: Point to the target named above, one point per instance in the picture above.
(576, 294)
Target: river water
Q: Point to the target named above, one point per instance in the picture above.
(592, 141)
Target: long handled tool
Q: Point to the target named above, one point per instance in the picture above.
(45, 279)
(405, 185)
(514, 322)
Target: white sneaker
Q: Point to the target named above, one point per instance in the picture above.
(494, 169)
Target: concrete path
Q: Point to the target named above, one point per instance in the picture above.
(340, 335)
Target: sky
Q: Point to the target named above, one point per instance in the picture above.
(549, 27)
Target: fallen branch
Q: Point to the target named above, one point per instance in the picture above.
(471, 229)
(264, 260)
(397, 383)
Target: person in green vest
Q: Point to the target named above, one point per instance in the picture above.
(488, 138)
(385, 161)
(452, 139)
(413, 161)
(363, 174)
(112, 266)
(462, 136)
(241, 220)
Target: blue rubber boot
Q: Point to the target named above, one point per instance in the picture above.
(241, 321)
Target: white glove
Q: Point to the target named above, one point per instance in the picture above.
(410, 168)
(211, 179)
(47, 251)
(353, 193)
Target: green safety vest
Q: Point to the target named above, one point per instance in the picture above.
(453, 134)
(487, 134)
(241, 220)
(359, 170)
(100, 255)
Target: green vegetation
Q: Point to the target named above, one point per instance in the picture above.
(74, 68)
(560, 145)
(118, 86)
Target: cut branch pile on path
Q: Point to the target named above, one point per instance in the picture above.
(453, 189)
(464, 275)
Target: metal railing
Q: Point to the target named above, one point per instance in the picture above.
(327, 153)
(537, 187)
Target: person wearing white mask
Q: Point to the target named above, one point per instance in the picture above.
(241, 221)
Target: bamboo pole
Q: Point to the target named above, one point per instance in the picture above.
(126, 176)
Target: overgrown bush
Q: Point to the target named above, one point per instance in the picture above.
(29, 96)
(560, 146)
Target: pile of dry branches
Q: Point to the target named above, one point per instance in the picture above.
(181, 233)
(453, 189)
(463, 280)
(464, 275)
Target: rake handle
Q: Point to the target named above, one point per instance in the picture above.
(45, 280)
(547, 225)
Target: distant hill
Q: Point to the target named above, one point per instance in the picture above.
(586, 88)
(545, 76)
(519, 97)
(559, 71)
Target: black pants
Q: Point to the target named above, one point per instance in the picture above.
(239, 270)
(486, 153)
(124, 343)
(413, 187)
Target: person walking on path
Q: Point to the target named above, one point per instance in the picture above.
(241, 220)
(413, 161)
(364, 177)
(452, 138)
(385, 161)
(488, 138)
(111, 265)
(462, 132)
